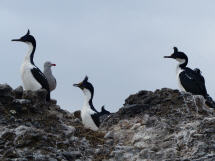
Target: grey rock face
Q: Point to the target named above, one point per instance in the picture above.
(164, 125)
(18, 92)
(33, 130)
(6, 95)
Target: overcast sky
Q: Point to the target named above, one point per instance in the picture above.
(119, 44)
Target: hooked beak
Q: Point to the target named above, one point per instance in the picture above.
(53, 64)
(168, 57)
(16, 40)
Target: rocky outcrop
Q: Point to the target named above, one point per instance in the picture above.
(33, 130)
(160, 125)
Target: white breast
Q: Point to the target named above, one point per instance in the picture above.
(87, 119)
(178, 71)
(29, 82)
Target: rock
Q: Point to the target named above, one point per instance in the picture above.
(164, 125)
(22, 101)
(37, 97)
(5, 90)
(6, 94)
(53, 101)
(21, 105)
(33, 129)
(161, 125)
(109, 135)
(77, 114)
(70, 156)
(18, 92)
(10, 153)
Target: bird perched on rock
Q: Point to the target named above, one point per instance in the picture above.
(32, 78)
(48, 73)
(190, 80)
(89, 115)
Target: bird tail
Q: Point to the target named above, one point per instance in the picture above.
(104, 111)
(209, 101)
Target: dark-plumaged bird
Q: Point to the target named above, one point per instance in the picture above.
(48, 73)
(190, 80)
(32, 78)
(89, 115)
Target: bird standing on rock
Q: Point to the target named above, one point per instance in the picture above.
(48, 73)
(32, 78)
(89, 115)
(190, 80)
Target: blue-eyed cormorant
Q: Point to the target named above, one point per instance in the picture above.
(32, 78)
(190, 80)
(89, 115)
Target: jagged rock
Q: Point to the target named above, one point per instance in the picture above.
(70, 156)
(6, 94)
(77, 114)
(5, 90)
(53, 101)
(163, 125)
(18, 92)
(32, 129)
(37, 97)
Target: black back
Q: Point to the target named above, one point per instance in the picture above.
(97, 115)
(193, 82)
(40, 77)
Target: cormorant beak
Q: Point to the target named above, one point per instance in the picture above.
(80, 85)
(168, 56)
(53, 64)
(16, 40)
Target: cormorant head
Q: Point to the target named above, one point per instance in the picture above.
(27, 38)
(48, 64)
(179, 56)
(85, 86)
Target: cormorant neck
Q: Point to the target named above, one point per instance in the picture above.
(182, 62)
(87, 94)
(30, 55)
(88, 99)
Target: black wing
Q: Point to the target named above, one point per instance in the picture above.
(97, 115)
(104, 111)
(193, 82)
(95, 118)
(40, 77)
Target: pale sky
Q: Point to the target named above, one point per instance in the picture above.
(119, 44)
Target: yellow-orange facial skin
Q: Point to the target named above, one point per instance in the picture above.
(80, 85)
